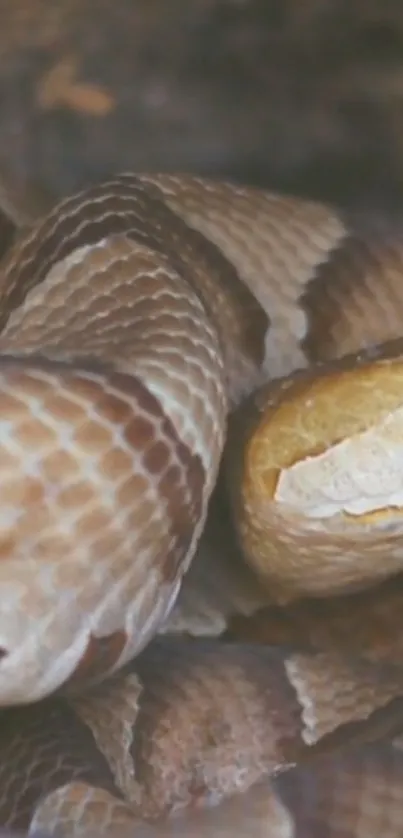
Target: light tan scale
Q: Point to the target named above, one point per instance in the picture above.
(146, 324)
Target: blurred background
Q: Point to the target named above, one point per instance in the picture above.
(304, 96)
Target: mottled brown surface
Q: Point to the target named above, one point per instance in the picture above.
(191, 724)
(369, 623)
(7, 233)
(306, 97)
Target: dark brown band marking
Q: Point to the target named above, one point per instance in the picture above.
(99, 658)
(181, 483)
(355, 273)
(124, 205)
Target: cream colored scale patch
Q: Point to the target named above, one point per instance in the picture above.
(360, 475)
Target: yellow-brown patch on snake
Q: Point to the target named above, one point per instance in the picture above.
(298, 422)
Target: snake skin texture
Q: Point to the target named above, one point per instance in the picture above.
(201, 535)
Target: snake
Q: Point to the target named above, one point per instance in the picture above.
(201, 495)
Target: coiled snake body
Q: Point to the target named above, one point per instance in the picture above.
(148, 323)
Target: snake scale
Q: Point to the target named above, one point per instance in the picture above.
(201, 402)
